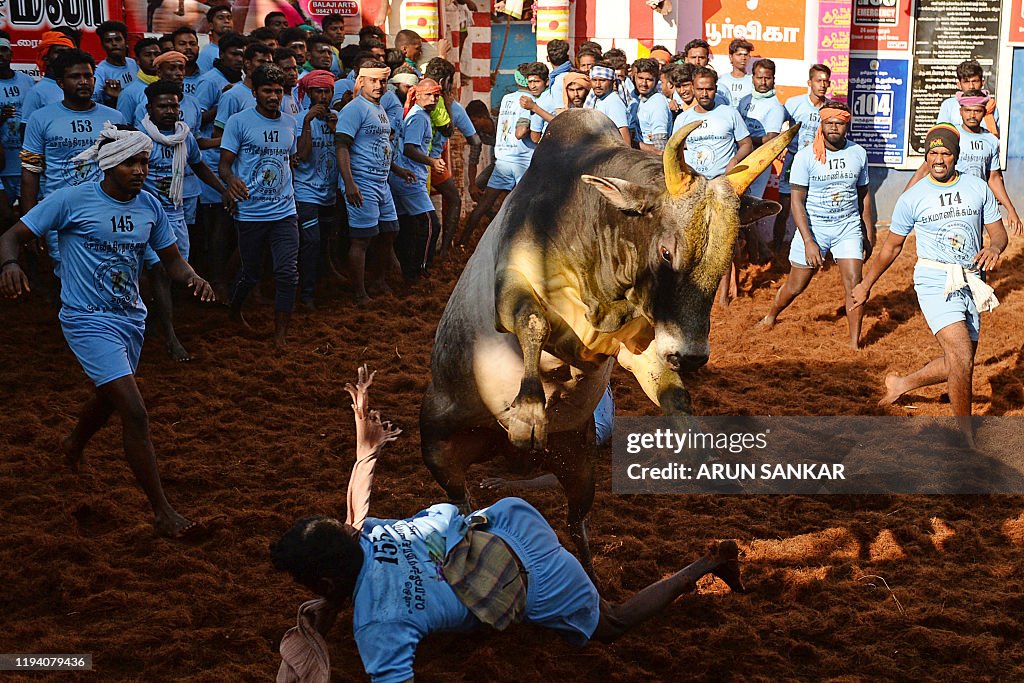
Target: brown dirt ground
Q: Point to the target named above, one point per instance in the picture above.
(265, 438)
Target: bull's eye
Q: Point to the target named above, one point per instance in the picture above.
(666, 255)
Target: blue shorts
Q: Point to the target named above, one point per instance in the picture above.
(843, 241)
(150, 257)
(410, 200)
(378, 205)
(941, 311)
(506, 175)
(107, 345)
(559, 594)
(787, 164)
(12, 186)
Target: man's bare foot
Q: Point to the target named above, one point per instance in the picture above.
(727, 565)
(892, 389)
(361, 299)
(280, 341)
(766, 323)
(171, 525)
(74, 457)
(176, 351)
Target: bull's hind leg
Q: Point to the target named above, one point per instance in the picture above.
(449, 458)
(571, 459)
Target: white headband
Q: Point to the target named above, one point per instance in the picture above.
(405, 79)
(125, 144)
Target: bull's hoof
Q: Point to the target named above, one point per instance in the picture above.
(528, 424)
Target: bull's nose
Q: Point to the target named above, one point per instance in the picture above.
(686, 363)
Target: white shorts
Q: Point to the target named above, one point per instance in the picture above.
(844, 241)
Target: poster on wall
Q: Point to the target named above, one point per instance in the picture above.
(878, 105)
(880, 25)
(1017, 22)
(948, 32)
(27, 20)
(834, 43)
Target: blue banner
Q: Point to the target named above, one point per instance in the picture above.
(878, 104)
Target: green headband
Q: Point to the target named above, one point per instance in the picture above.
(520, 79)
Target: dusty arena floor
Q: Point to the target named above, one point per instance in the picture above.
(843, 588)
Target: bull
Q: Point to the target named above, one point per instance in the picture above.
(601, 254)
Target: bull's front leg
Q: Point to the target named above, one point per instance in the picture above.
(520, 312)
(662, 384)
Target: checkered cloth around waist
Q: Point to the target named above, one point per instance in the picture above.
(487, 577)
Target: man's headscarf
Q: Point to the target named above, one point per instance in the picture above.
(573, 77)
(427, 86)
(123, 146)
(317, 78)
(827, 113)
(369, 72)
(170, 56)
(984, 100)
(943, 135)
(177, 141)
(50, 39)
(661, 55)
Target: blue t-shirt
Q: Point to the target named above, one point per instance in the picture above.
(395, 111)
(710, 147)
(460, 120)
(158, 180)
(191, 83)
(316, 178)
(418, 132)
(101, 245)
(238, 98)
(130, 98)
(612, 106)
(401, 594)
(370, 129)
(650, 118)
(546, 101)
(343, 86)
(831, 186)
(207, 55)
(105, 71)
(208, 94)
(60, 134)
(763, 115)
(45, 92)
(262, 147)
(801, 111)
(735, 88)
(979, 153)
(508, 148)
(949, 218)
(949, 112)
(13, 92)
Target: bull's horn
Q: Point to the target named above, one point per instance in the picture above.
(747, 171)
(678, 175)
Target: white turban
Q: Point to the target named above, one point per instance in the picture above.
(125, 144)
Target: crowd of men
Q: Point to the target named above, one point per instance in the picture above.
(287, 144)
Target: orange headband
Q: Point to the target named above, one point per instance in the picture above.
(661, 53)
(819, 139)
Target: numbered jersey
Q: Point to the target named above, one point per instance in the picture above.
(316, 178)
(161, 170)
(949, 217)
(831, 186)
(401, 595)
(801, 110)
(263, 148)
(979, 153)
(709, 147)
(101, 245)
(105, 71)
(13, 92)
(60, 134)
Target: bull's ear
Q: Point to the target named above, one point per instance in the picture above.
(622, 194)
(753, 209)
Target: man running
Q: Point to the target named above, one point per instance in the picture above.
(832, 210)
(255, 165)
(441, 570)
(103, 228)
(950, 211)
